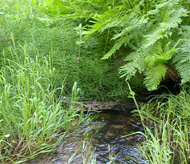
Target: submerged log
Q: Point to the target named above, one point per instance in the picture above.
(95, 106)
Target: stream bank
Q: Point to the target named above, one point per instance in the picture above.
(100, 140)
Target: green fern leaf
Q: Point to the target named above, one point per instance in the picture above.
(132, 25)
(159, 56)
(135, 63)
(154, 76)
(171, 19)
(146, 28)
(102, 22)
(128, 70)
(184, 71)
(182, 61)
(116, 46)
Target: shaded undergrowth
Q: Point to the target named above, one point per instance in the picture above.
(41, 57)
(166, 129)
(40, 60)
(72, 58)
(32, 122)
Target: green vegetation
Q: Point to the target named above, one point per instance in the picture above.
(31, 121)
(150, 30)
(61, 38)
(166, 128)
(49, 46)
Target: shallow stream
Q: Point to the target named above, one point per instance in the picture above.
(100, 140)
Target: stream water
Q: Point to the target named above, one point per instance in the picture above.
(100, 140)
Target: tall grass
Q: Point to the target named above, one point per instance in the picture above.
(166, 129)
(32, 121)
(27, 21)
(41, 57)
(38, 61)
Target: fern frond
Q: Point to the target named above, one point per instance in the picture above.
(160, 54)
(128, 70)
(116, 47)
(102, 22)
(184, 71)
(163, 29)
(135, 63)
(147, 28)
(133, 26)
(182, 60)
(154, 76)
(133, 22)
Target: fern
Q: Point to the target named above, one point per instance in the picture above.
(75, 9)
(101, 22)
(147, 27)
(182, 57)
(116, 46)
(155, 47)
(154, 75)
(126, 25)
(163, 29)
(156, 65)
(135, 63)
(160, 54)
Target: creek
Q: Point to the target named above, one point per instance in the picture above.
(100, 140)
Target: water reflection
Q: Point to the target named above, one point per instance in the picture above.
(105, 137)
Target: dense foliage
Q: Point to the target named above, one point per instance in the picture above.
(46, 32)
(46, 46)
(151, 31)
(148, 34)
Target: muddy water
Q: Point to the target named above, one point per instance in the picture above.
(100, 140)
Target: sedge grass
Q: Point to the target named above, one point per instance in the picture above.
(26, 21)
(32, 121)
(166, 129)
